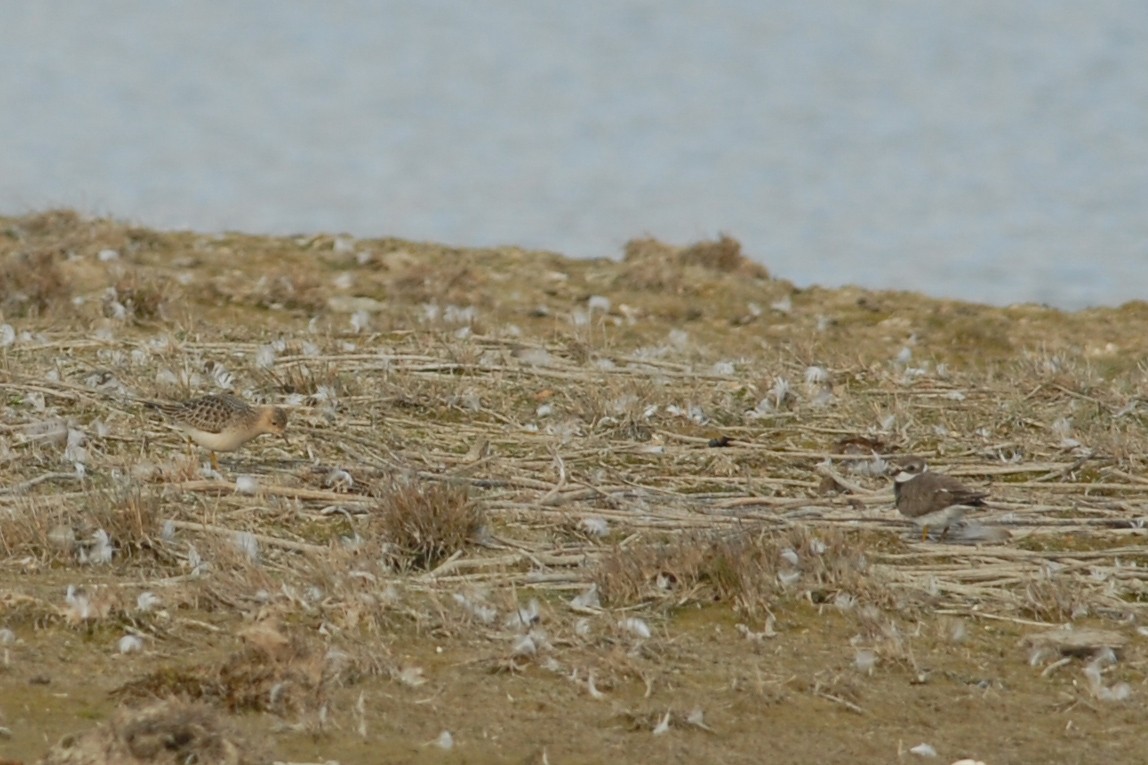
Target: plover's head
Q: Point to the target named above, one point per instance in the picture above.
(911, 467)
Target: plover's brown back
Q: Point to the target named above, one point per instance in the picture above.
(933, 492)
(932, 499)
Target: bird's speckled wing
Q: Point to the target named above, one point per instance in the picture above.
(211, 414)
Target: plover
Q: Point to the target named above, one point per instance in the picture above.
(222, 422)
(932, 499)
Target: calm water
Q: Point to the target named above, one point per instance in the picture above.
(979, 149)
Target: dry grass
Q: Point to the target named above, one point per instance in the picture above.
(288, 674)
(1058, 600)
(424, 525)
(722, 255)
(127, 518)
(319, 380)
(753, 569)
(31, 284)
(141, 299)
(494, 432)
(168, 733)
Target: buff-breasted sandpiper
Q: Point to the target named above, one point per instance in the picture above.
(222, 422)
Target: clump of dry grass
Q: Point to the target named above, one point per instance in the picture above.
(165, 733)
(283, 672)
(278, 289)
(649, 264)
(421, 282)
(307, 379)
(722, 255)
(426, 523)
(131, 515)
(31, 284)
(122, 524)
(144, 298)
(751, 569)
(652, 569)
(47, 224)
(291, 291)
(1056, 600)
(22, 610)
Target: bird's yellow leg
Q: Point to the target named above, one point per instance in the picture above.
(924, 533)
(214, 462)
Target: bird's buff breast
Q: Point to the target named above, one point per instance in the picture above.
(226, 441)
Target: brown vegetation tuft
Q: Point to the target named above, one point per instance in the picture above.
(426, 523)
(281, 671)
(1056, 600)
(307, 379)
(723, 254)
(143, 298)
(424, 283)
(167, 733)
(129, 515)
(749, 568)
(50, 224)
(275, 288)
(31, 284)
(651, 264)
(129, 518)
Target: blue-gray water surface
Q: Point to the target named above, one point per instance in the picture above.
(994, 151)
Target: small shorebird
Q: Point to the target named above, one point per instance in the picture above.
(222, 422)
(932, 499)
